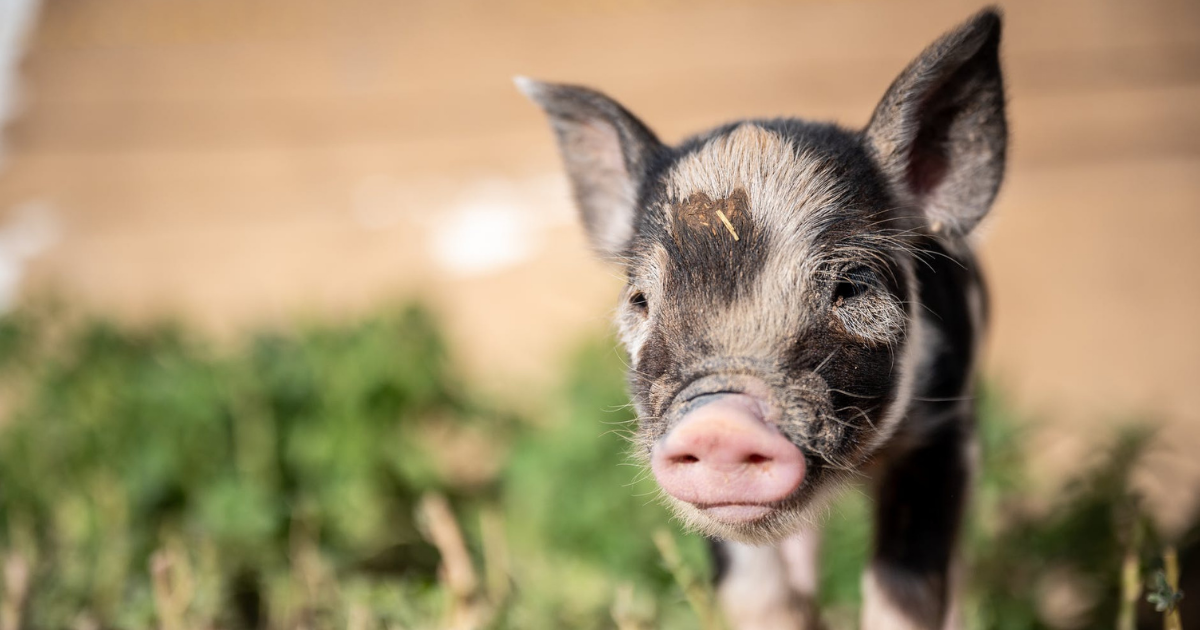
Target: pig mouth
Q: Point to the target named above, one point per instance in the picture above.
(750, 523)
(737, 513)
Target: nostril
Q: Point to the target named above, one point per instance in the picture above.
(752, 459)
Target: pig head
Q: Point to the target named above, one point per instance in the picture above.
(771, 313)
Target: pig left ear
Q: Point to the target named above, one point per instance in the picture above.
(606, 150)
(940, 134)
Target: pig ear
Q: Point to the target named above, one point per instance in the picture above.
(940, 132)
(606, 151)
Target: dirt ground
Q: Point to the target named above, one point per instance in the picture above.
(237, 163)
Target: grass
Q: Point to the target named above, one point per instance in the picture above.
(345, 476)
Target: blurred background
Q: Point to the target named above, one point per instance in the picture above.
(284, 173)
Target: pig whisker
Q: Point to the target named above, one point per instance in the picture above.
(844, 423)
(832, 462)
(861, 412)
(824, 362)
(925, 255)
(857, 490)
(846, 393)
(636, 481)
(642, 474)
(656, 495)
(628, 436)
(618, 422)
(829, 458)
(626, 421)
(952, 399)
(621, 358)
(928, 309)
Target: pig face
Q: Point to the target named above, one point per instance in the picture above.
(762, 285)
(771, 314)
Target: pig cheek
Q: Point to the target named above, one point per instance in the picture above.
(653, 377)
(812, 423)
(634, 331)
(650, 405)
(870, 374)
(652, 386)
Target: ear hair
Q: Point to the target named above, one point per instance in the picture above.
(606, 150)
(940, 133)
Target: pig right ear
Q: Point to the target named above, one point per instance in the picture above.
(940, 133)
(606, 151)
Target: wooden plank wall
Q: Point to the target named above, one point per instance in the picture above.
(236, 162)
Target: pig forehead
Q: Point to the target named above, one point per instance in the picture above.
(746, 215)
(785, 193)
(748, 219)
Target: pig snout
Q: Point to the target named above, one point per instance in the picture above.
(725, 457)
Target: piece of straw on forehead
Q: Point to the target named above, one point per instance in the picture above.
(728, 226)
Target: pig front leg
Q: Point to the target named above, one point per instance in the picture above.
(919, 504)
(769, 587)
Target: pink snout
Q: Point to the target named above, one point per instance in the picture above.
(724, 456)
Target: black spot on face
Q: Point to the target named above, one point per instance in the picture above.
(715, 247)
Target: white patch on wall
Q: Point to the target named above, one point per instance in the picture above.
(16, 20)
(482, 236)
(31, 230)
(495, 224)
(474, 227)
(31, 227)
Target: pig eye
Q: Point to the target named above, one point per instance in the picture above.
(639, 303)
(853, 283)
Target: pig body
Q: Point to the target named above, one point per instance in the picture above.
(803, 309)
